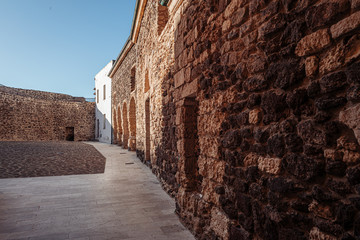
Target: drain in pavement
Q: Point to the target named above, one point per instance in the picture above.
(129, 163)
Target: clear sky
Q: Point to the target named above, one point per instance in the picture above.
(60, 45)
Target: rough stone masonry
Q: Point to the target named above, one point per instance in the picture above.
(28, 115)
(248, 111)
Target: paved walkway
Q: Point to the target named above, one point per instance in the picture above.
(126, 202)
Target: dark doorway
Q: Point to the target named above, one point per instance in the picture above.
(69, 133)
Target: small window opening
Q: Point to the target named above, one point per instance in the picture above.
(97, 96)
(104, 121)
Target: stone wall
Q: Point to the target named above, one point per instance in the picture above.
(121, 97)
(254, 115)
(278, 98)
(28, 115)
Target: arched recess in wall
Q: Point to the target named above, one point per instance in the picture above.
(132, 120)
(147, 129)
(125, 126)
(119, 126)
(115, 137)
(133, 79)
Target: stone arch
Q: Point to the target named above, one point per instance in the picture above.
(119, 126)
(132, 121)
(115, 134)
(125, 126)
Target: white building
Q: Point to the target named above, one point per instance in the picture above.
(103, 129)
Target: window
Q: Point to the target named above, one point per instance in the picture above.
(97, 96)
(104, 121)
(104, 92)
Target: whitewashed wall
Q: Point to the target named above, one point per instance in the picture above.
(103, 106)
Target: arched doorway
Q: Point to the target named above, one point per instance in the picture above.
(125, 127)
(132, 120)
(115, 135)
(119, 127)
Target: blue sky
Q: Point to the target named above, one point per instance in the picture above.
(60, 45)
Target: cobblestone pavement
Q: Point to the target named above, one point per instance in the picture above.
(126, 202)
(34, 159)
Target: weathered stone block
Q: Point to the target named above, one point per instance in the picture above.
(286, 73)
(346, 25)
(226, 26)
(333, 59)
(238, 233)
(353, 175)
(310, 134)
(311, 66)
(239, 16)
(255, 116)
(281, 185)
(319, 15)
(276, 145)
(353, 73)
(303, 167)
(251, 160)
(351, 117)
(293, 32)
(345, 214)
(219, 223)
(313, 43)
(295, 99)
(179, 78)
(333, 82)
(231, 139)
(335, 167)
(275, 24)
(269, 165)
(316, 234)
(230, 9)
(353, 94)
(326, 103)
(255, 83)
(293, 142)
(355, 4)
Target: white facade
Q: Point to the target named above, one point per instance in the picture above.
(103, 129)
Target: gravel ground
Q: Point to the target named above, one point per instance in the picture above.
(35, 159)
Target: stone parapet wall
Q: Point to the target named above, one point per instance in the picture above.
(44, 116)
(40, 94)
